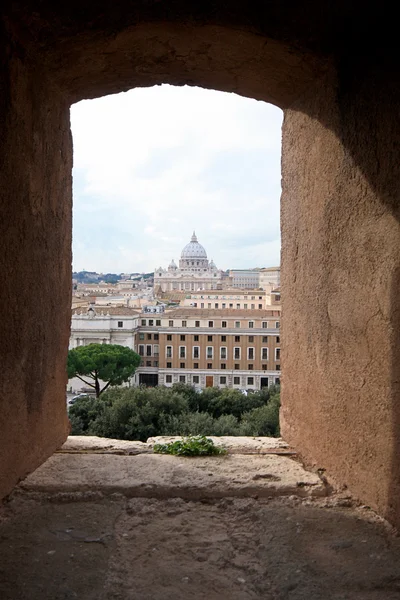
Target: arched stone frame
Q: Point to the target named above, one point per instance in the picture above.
(340, 212)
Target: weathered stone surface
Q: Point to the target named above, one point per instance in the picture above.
(92, 444)
(35, 262)
(234, 444)
(334, 69)
(163, 476)
(341, 281)
(113, 548)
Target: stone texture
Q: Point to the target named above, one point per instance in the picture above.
(333, 67)
(96, 547)
(35, 262)
(235, 444)
(341, 276)
(93, 444)
(164, 476)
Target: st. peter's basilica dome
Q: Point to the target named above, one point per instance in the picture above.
(193, 250)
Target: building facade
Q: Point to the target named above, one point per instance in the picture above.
(201, 347)
(244, 278)
(269, 276)
(228, 299)
(108, 325)
(195, 271)
(211, 348)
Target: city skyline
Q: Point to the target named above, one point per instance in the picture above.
(151, 165)
(165, 265)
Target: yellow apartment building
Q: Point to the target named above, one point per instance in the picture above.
(210, 347)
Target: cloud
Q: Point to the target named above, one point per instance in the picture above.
(152, 164)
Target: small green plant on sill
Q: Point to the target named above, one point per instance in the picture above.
(193, 445)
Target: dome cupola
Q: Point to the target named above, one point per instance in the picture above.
(193, 257)
(172, 266)
(193, 250)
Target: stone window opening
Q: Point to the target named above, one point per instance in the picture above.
(285, 88)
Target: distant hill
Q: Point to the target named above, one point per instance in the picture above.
(93, 277)
(85, 276)
(144, 275)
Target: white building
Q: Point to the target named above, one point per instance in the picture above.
(108, 325)
(270, 276)
(194, 273)
(226, 298)
(244, 278)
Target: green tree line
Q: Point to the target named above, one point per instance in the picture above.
(140, 413)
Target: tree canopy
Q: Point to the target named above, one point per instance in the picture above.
(137, 413)
(109, 363)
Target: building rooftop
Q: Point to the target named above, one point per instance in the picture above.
(252, 269)
(191, 313)
(123, 311)
(270, 269)
(228, 292)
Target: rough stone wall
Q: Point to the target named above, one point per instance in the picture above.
(35, 262)
(340, 276)
(340, 212)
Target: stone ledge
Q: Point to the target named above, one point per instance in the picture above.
(234, 445)
(93, 444)
(164, 476)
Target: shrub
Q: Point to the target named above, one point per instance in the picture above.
(191, 423)
(226, 425)
(83, 413)
(191, 446)
(219, 402)
(262, 421)
(199, 423)
(140, 413)
(137, 413)
(76, 425)
(190, 393)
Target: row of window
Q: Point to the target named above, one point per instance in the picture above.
(151, 322)
(223, 352)
(224, 324)
(245, 297)
(222, 380)
(223, 305)
(250, 367)
(148, 350)
(210, 338)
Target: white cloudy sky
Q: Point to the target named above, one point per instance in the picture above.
(152, 164)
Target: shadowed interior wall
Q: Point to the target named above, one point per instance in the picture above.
(35, 258)
(340, 265)
(46, 65)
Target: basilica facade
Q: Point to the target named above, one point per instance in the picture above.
(195, 271)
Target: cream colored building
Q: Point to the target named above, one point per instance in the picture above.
(269, 276)
(195, 272)
(244, 278)
(96, 288)
(229, 299)
(105, 325)
(202, 347)
(211, 348)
